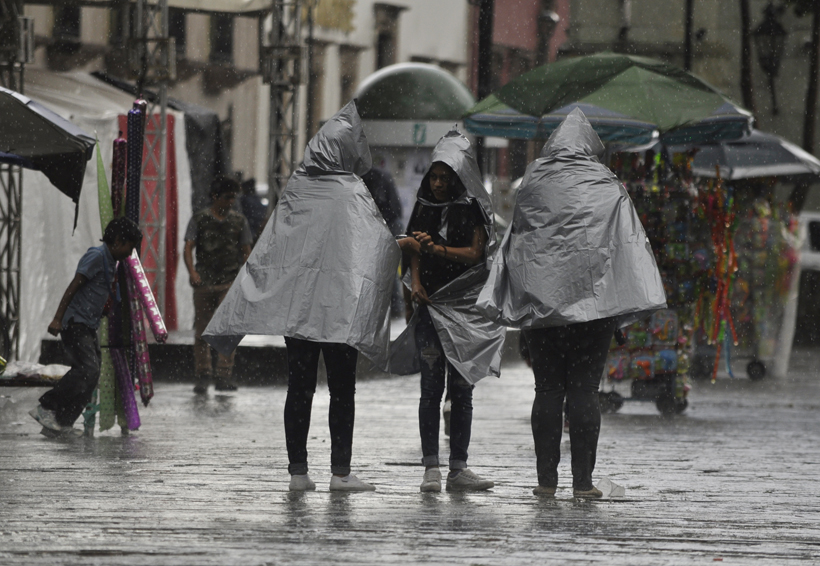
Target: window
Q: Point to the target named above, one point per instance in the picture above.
(226, 127)
(67, 22)
(316, 85)
(387, 33)
(814, 236)
(176, 29)
(349, 72)
(221, 39)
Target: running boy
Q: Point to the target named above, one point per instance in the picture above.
(77, 319)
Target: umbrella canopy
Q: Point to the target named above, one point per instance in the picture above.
(34, 137)
(491, 117)
(623, 94)
(755, 155)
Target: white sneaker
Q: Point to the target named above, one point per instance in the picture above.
(349, 483)
(466, 480)
(432, 480)
(46, 418)
(301, 482)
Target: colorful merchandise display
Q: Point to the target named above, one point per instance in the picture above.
(726, 253)
(123, 338)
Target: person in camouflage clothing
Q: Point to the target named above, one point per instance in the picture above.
(222, 238)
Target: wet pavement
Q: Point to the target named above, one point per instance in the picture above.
(204, 481)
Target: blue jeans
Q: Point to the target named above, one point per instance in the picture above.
(434, 369)
(303, 363)
(73, 392)
(568, 362)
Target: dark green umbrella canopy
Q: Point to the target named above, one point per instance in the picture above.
(638, 87)
(413, 91)
(34, 137)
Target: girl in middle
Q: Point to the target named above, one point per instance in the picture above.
(452, 231)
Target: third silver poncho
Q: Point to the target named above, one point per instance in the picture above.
(576, 250)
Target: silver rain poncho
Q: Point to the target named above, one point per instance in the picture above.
(576, 250)
(323, 268)
(470, 342)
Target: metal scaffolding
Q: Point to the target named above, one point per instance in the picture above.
(281, 66)
(153, 61)
(15, 50)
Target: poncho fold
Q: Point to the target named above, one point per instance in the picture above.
(324, 266)
(576, 250)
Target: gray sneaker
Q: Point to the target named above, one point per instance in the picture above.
(432, 481)
(466, 480)
(46, 418)
(301, 482)
(349, 483)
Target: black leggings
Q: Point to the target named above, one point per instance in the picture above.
(303, 363)
(568, 361)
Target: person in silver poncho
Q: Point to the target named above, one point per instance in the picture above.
(574, 265)
(321, 275)
(446, 338)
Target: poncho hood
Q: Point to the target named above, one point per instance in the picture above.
(576, 250)
(340, 146)
(323, 268)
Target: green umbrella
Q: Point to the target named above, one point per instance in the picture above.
(638, 87)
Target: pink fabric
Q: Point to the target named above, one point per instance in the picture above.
(138, 339)
(126, 385)
(146, 297)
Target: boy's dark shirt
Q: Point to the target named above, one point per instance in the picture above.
(97, 265)
(218, 245)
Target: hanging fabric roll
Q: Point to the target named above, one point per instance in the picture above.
(118, 172)
(147, 298)
(126, 389)
(132, 194)
(106, 385)
(142, 361)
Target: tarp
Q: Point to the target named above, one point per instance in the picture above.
(324, 266)
(49, 250)
(471, 343)
(37, 138)
(576, 250)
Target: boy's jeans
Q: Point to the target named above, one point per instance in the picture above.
(73, 392)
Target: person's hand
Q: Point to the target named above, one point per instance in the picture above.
(418, 294)
(409, 245)
(195, 279)
(54, 327)
(425, 241)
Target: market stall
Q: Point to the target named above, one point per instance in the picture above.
(725, 246)
(727, 250)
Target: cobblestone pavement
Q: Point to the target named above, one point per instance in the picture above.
(204, 481)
